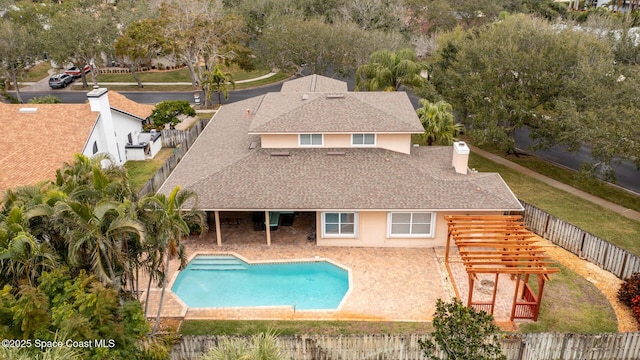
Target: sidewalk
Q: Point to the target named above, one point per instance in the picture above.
(44, 82)
(631, 214)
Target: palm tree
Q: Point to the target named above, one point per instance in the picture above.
(25, 258)
(218, 81)
(387, 71)
(171, 220)
(438, 122)
(95, 235)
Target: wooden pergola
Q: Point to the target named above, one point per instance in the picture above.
(500, 244)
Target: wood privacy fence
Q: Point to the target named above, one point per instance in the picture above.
(544, 346)
(182, 141)
(583, 244)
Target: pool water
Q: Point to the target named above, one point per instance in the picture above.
(226, 281)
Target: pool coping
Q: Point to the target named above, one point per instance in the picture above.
(186, 308)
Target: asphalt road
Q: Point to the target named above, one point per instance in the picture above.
(627, 174)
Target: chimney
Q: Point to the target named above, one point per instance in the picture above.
(99, 101)
(460, 157)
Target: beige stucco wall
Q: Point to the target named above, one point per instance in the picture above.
(372, 231)
(282, 141)
(395, 142)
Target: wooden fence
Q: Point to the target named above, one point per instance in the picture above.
(182, 140)
(544, 346)
(583, 244)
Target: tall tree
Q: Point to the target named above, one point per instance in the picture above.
(66, 44)
(292, 43)
(522, 71)
(198, 31)
(141, 42)
(19, 48)
(387, 71)
(171, 216)
(438, 122)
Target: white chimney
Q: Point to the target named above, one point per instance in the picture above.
(99, 101)
(460, 157)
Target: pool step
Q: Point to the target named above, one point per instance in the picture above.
(218, 263)
(217, 267)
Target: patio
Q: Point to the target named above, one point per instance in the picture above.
(388, 284)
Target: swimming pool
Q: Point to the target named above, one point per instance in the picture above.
(211, 281)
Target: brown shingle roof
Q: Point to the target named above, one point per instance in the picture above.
(226, 174)
(123, 104)
(36, 144)
(335, 112)
(314, 83)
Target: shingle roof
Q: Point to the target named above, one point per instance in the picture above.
(120, 102)
(36, 144)
(335, 112)
(226, 174)
(314, 83)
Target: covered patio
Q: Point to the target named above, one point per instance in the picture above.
(495, 245)
(282, 227)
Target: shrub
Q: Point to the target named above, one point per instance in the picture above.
(463, 333)
(629, 289)
(166, 112)
(48, 99)
(635, 307)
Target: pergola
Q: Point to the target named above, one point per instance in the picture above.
(500, 244)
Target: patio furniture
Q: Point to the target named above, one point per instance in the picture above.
(287, 218)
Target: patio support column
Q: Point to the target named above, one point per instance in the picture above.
(267, 226)
(515, 299)
(469, 302)
(217, 221)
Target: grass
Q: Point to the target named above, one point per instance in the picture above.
(572, 304)
(584, 214)
(570, 177)
(37, 72)
(251, 327)
(141, 171)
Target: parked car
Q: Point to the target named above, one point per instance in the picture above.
(60, 81)
(76, 72)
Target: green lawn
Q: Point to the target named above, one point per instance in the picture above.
(584, 214)
(570, 303)
(590, 185)
(141, 171)
(251, 327)
(37, 72)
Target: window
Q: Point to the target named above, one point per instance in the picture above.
(310, 139)
(410, 224)
(339, 224)
(95, 147)
(363, 139)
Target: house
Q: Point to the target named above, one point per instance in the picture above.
(346, 157)
(42, 137)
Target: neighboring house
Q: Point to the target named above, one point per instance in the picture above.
(345, 156)
(40, 138)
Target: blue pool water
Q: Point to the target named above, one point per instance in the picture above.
(226, 281)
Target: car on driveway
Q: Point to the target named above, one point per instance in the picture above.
(76, 72)
(60, 81)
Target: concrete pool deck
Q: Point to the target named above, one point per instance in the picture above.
(388, 284)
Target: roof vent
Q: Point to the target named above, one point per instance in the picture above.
(335, 96)
(253, 145)
(280, 153)
(28, 110)
(334, 153)
(305, 97)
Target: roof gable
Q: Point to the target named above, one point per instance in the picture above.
(335, 112)
(121, 103)
(314, 83)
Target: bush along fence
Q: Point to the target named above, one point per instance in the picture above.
(544, 346)
(581, 243)
(182, 140)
